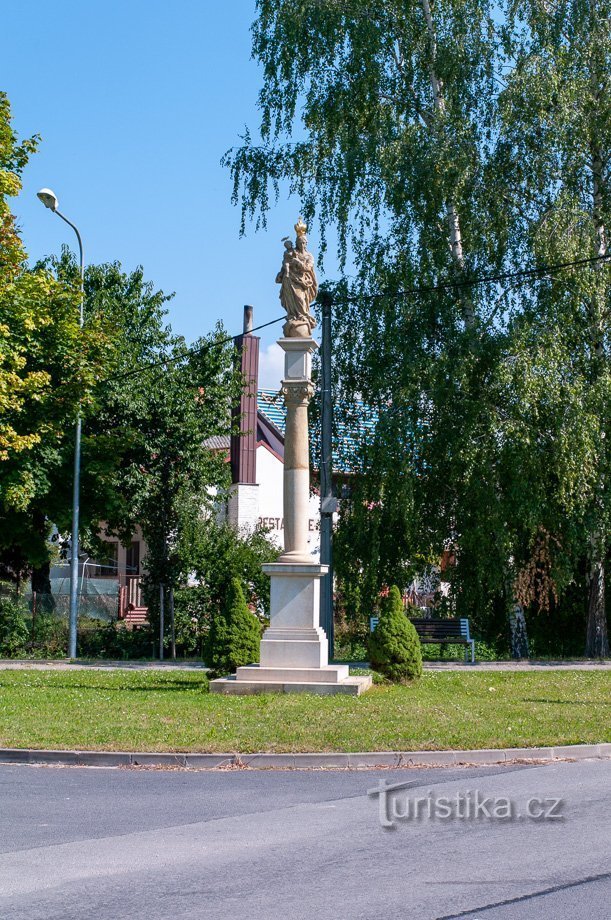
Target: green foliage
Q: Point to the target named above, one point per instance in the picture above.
(114, 641)
(48, 367)
(390, 123)
(212, 555)
(49, 636)
(14, 633)
(394, 646)
(234, 635)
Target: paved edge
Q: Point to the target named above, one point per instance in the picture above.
(353, 761)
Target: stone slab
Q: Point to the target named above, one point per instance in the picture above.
(567, 751)
(328, 674)
(295, 569)
(352, 686)
(209, 761)
(63, 758)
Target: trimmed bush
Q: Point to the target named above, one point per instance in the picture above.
(394, 646)
(14, 633)
(234, 634)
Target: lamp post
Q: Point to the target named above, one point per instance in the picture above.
(49, 199)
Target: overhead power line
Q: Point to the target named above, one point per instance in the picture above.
(523, 274)
(192, 350)
(450, 284)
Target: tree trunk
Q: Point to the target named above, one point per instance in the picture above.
(519, 634)
(41, 574)
(452, 215)
(597, 638)
(41, 579)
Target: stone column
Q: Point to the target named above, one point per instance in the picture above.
(294, 653)
(297, 389)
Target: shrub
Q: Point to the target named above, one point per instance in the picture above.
(49, 636)
(113, 641)
(234, 635)
(394, 646)
(14, 634)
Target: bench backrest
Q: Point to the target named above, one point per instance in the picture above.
(439, 629)
(431, 629)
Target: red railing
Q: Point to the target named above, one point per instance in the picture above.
(130, 595)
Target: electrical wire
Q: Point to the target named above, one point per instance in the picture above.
(192, 350)
(523, 274)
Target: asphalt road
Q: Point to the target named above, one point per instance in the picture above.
(153, 845)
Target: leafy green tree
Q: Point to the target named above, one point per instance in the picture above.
(214, 553)
(393, 108)
(233, 640)
(394, 646)
(445, 141)
(556, 116)
(168, 475)
(48, 367)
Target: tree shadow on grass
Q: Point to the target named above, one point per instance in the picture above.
(570, 702)
(166, 687)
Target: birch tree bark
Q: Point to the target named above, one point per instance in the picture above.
(452, 216)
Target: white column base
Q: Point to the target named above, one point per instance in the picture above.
(294, 650)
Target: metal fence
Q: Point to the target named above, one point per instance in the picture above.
(100, 607)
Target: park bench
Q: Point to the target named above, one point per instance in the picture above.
(440, 631)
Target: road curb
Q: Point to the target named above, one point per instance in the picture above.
(330, 761)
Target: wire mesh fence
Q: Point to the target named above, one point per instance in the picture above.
(36, 624)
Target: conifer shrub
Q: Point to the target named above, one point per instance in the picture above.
(394, 646)
(234, 634)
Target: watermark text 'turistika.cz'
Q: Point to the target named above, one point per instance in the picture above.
(396, 806)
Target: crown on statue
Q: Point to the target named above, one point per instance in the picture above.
(300, 227)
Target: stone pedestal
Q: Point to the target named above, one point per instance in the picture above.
(294, 650)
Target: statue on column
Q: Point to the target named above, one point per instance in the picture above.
(298, 285)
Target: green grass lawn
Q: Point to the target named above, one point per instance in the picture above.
(174, 711)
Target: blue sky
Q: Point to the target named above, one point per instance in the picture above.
(136, 102)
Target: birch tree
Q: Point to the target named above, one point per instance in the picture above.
(381, 118)
(557, 124)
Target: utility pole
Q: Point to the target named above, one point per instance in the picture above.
(161, 621)
(328, 504)
(172, 624)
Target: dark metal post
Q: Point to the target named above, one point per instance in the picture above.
(161, 622)
(172, 624)
(327, 502)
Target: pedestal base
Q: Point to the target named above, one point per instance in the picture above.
(294, 650)
(352, 686)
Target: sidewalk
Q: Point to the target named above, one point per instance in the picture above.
(64, 664)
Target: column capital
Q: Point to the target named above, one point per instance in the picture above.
(297, 392)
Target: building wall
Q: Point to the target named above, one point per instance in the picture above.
(270, 470)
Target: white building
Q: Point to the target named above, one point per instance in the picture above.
(257, 453)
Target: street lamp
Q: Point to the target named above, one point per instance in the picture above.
(49, 199)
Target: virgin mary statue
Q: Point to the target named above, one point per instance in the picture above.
(298, 285)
